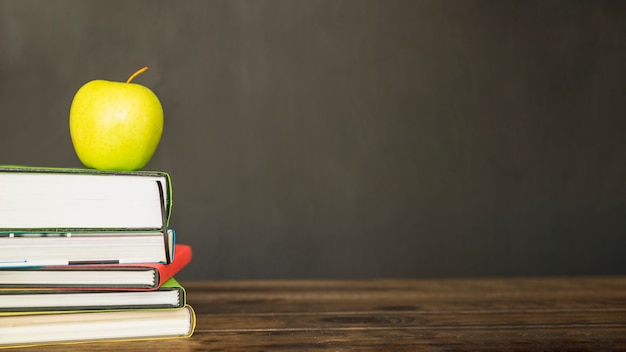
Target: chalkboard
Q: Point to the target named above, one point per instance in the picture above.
(352, 139)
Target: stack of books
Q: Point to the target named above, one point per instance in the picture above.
(88, 255)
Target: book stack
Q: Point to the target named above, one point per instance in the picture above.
(88, 255)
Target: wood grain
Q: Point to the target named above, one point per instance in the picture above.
(499, 314)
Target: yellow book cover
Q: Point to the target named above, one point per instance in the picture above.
(75, 327)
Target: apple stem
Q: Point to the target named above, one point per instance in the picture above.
(140, 71)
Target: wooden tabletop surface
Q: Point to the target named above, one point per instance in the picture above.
(515, 314)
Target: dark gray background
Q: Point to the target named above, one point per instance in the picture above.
(352, 139)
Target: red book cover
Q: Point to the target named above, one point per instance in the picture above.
(98, 276)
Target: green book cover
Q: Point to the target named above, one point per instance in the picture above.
(16, 301)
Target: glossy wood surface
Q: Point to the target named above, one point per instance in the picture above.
(514, 314)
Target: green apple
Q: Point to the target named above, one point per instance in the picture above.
(115, 125)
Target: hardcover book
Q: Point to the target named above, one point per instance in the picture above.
(114, 247)
(20, 300)
(127, 324)
(100, 276)
(73, 200)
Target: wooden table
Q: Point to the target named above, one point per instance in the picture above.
(514, 314)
